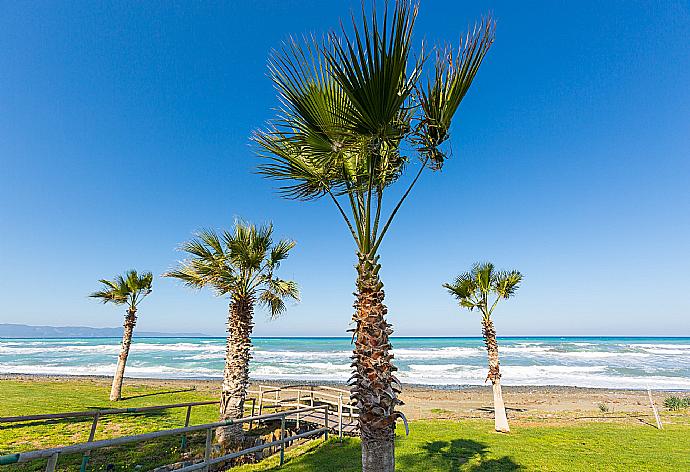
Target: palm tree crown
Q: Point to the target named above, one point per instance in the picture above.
(240, 263)
(473, 289)
(352, 103)
(129, 289)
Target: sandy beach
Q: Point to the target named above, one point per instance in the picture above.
(524, 403)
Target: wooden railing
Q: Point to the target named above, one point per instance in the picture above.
(98, 414)
(300, 398)
(53, 454)
(311, 395)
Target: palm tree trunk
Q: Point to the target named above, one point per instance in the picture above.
(130, 321)
(500, 418)
(236, 372)
(374, 387)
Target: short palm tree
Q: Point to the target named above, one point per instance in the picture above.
(240, 265)
(129, 290)
(354, 106)
(475, 289)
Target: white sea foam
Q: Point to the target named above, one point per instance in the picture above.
(596, 354)
(579, 376)
(621, 364)
(437, 353)
(109, 348)
(668, 352)
(264, 355)
(525, 349)
(662, 346)
(109, 370)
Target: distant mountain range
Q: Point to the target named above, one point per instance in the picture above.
(8, 330)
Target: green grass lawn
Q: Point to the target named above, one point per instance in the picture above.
(433, 445)
(37, 397)
(444, 445)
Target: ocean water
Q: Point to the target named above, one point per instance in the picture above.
(662, 363)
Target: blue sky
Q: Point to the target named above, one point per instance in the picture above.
(124, 128)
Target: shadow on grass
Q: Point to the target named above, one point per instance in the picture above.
(51, 421)
(490, 409)
(158, 393)
(452, 456)
(89, 419)
(333, 456)
(136, 414)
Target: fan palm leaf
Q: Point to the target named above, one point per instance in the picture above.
(454, 73)
(373, 70)
(128, 289)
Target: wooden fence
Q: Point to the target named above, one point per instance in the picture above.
(307, 403)
(53, 454)
(310, 395)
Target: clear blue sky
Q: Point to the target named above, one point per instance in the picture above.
(124, 127)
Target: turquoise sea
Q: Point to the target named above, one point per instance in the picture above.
(614, 362)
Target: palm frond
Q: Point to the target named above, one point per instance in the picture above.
(188, 274)
(483, 274)
(237, 262)
(464, 289)
(248, 245)
(472, 289)
(208, 264)
(372, 69)
(348, 111)
(280, 252)
(275, 305)
(286, 161)
(505, 283)
(454, 73)
(111, 296)
(274, 293)
(130, 288)
(305, 144)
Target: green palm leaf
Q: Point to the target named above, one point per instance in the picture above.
(238, 263)
(350, 103)
(472, 289)
(454, 73)
(128, 289)
(372, 70)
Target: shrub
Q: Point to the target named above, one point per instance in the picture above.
(674, 403)
(603, 407)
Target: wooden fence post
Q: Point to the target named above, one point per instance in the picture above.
(186, 423)
(253, 406)
(52, 462)
(325, 411)
(340, 416)
(207, 451)
(656, 413)
(282, 439)
(261, 398)
(92, 435)
(299, 404)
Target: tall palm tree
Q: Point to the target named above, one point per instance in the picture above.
(473, 290)
(129, 289)
(354, 106)
(240, 265)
